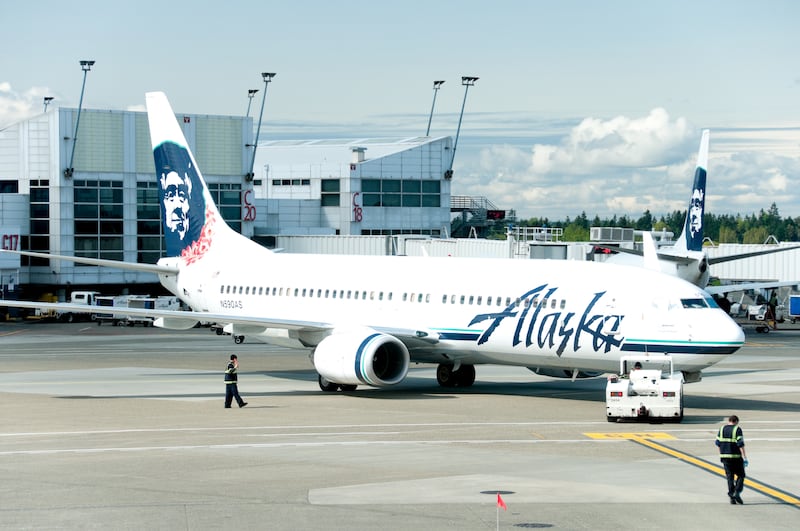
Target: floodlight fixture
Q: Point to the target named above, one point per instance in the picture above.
(467, 81)
(86, 65)
(47, 100)
(250, 94)
(267, 77)
(436, 86)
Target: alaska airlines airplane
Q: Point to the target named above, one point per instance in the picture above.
(687, 259)
(366, 318)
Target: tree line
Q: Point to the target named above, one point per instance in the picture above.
(724, 228)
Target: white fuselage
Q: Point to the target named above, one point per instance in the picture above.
(533, 313)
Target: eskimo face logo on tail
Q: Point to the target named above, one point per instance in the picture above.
(186, 221)
(694, 218)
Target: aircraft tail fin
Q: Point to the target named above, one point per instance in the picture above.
(691, 239)
(190, 219)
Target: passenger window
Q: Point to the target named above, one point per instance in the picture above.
(452, 299)
(444, 299)
(380, 296)
(478, 302)
(419, 297)
(553, 304)
(240, 290)
(463, 298)
(563, 303)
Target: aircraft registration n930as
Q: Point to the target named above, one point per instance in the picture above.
(366, 318)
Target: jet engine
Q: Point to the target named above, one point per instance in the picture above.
(564, 373)
(362, 356)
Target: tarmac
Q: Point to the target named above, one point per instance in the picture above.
(124, 428)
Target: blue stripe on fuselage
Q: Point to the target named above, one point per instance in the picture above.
(698, 348)
(459, 336)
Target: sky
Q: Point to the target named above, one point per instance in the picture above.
(580, 106)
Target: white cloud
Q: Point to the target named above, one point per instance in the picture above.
(16, 106)
(624, 166)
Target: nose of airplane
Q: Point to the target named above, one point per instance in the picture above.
(730, 331)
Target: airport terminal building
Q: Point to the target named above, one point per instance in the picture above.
(97, 196)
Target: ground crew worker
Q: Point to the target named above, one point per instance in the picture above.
(730, 441)
(772, 306)
(231, 383)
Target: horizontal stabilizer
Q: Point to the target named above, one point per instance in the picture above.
(128, 266)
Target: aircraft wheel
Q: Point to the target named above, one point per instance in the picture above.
(238, 340)
(219, 331)
(465, 376)
(348, 388)
(612, 419)
(445, 375)
(327, 386)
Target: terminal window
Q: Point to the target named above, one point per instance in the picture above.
(330, 189)
(400, 193)
(98, 219)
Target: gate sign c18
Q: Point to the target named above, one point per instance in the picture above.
(358, 212)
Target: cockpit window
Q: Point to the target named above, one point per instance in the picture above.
(694, 303)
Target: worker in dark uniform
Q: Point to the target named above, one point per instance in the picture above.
(772, 308)
(730, 441)
(231, 383)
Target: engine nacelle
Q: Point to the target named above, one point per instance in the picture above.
(362, 356)
(564, 373)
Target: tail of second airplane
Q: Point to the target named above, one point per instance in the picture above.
(192, 224)
(691, 239)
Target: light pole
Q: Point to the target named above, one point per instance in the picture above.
(436, 86)
(467, 81)
(47, 100)
(267, 79)
(85, 66)
(250, 94)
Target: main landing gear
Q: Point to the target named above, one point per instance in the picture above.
(448, 376)
(330, 387)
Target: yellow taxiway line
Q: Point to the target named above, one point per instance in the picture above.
(648, 439)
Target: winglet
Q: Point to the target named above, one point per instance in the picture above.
(650, 253)
(691, 239)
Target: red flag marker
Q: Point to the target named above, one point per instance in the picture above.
(501, 503)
